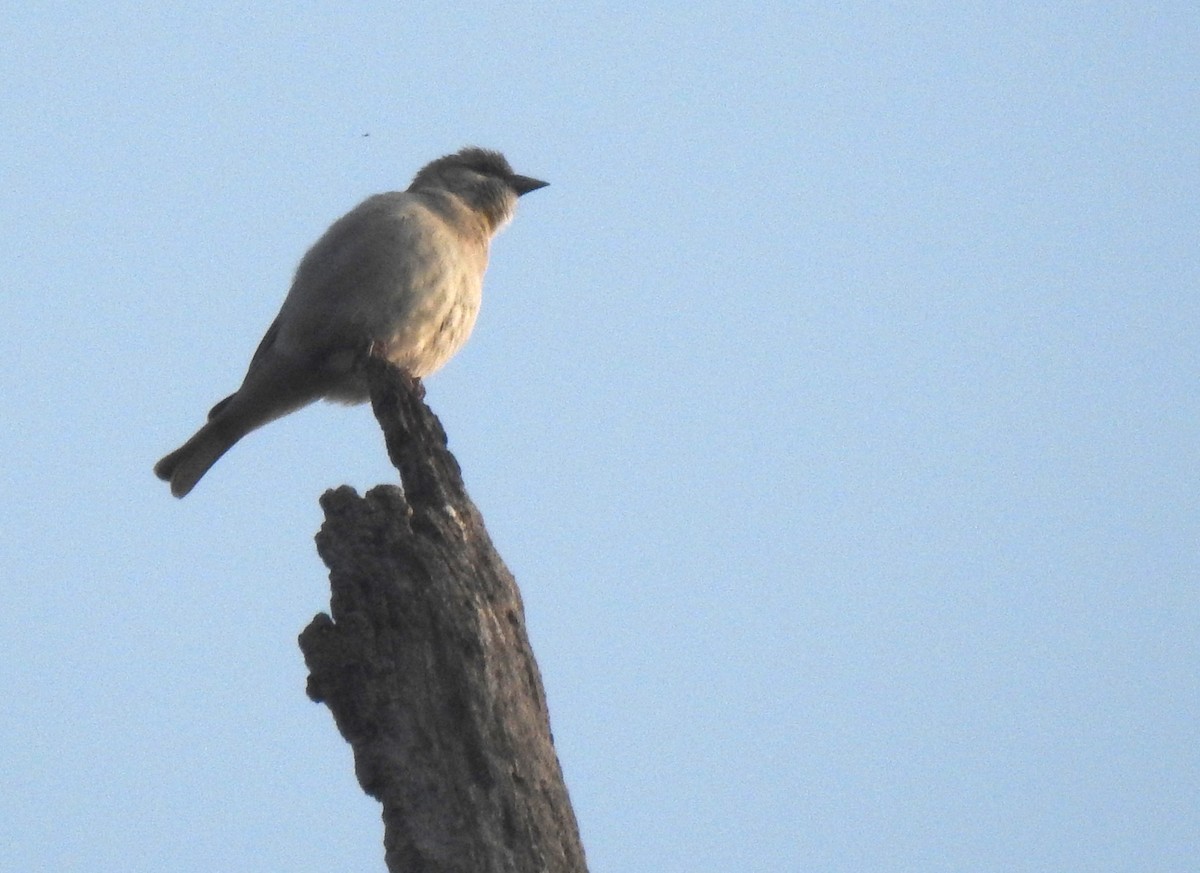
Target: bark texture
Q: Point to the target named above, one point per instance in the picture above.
(425, 664)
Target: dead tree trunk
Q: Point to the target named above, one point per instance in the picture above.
(426, 667)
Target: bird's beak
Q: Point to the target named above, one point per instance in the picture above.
(524, 184)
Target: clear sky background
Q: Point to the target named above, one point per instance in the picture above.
(836, 409)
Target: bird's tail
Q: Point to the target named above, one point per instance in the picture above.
(185, 466)
(274, 386)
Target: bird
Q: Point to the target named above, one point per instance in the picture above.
(399, 277)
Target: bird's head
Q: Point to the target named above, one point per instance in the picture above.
(481, 178)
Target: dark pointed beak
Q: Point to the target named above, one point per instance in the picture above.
(524, 184)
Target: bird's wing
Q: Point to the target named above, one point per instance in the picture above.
(351, 275)
(265, 343)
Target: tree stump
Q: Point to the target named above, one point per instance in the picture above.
(425, 664)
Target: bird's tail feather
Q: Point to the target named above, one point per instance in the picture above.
(185, 466)
(274, 386)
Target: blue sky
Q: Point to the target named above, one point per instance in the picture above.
(835, 408)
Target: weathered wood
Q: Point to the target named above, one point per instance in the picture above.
(427, 669)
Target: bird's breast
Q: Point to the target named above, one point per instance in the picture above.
(432, 319)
